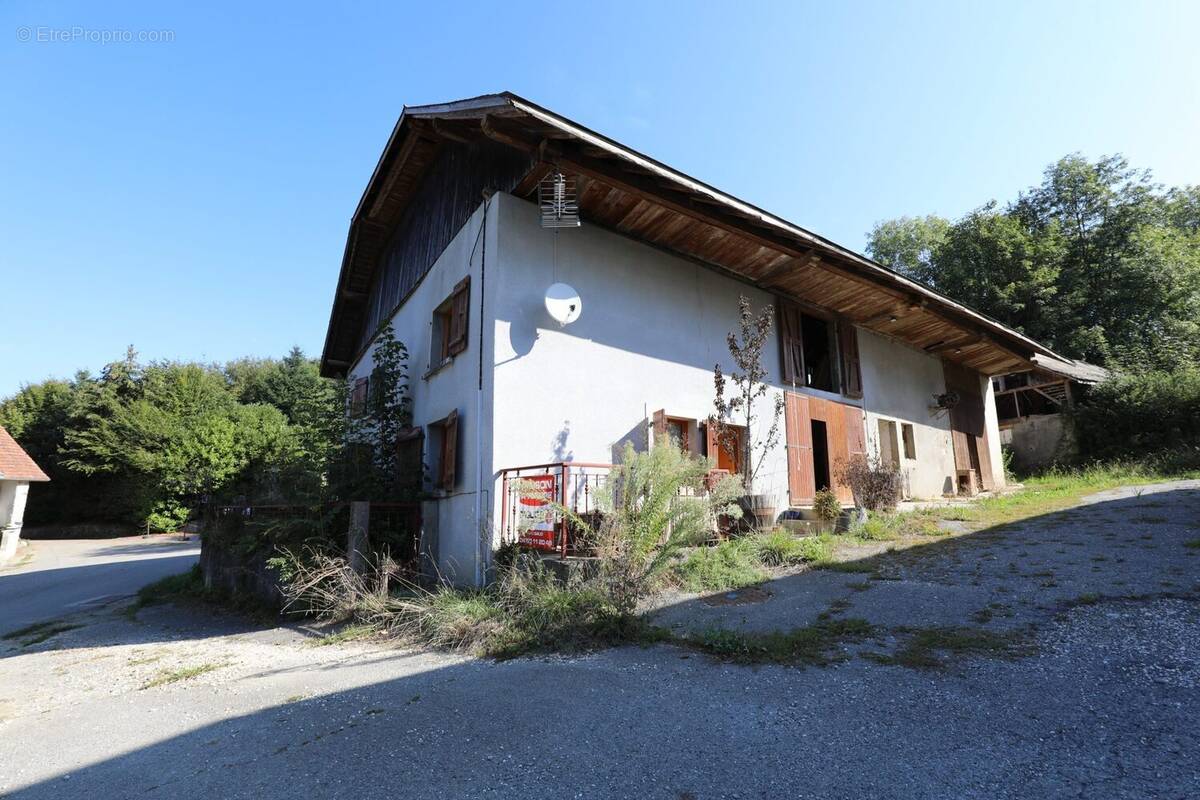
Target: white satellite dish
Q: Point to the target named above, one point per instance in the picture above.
(563, 303)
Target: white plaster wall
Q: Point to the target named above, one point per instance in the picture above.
(651, 329)
(12, 515)
(460, 531)
(899, 383)
(991, 424)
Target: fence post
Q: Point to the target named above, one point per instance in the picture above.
(356, 537)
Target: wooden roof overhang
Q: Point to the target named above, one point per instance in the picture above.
(638, 197)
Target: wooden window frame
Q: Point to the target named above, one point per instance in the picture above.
(445, 473)
(450, 326)
(908, 440)
(410, 455)
(360, 396)
(844, 354)
(662, 423)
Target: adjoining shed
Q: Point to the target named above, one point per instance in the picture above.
(1033, 408)
(17, 471)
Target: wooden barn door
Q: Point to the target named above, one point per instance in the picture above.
(968, 429)
(844, 438)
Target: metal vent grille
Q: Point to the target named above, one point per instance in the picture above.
(558, 201)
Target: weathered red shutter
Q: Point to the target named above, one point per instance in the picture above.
(791, 350)
(449, 450)
(460, 303)
(851, 367)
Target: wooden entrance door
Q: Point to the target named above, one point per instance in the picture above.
(845, 438)
(968, 429)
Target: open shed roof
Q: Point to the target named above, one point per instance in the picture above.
(639, 197)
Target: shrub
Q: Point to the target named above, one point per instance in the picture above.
(876, 486)
(826, 505)
(653, 503)
(1147, 414)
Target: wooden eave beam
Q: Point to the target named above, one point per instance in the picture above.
(899, 310)
(766, 280)
(504, 134)
(957, 344)
(456, 132)
(532, 178)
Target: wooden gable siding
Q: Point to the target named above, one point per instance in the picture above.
(443, 202)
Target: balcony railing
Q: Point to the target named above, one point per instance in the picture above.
(533, 497)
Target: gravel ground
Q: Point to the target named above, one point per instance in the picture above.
(1105, 706)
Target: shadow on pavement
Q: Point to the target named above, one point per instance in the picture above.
(665, 723)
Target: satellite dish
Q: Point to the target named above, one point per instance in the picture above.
(563, 303)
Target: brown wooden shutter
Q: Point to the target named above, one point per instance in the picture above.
(410, 446)
(851, 367)
(358, 398)
(802, 483)
(449, 450)
(711, 441)
(791, 349)
(852, 443)
(660, 425)
(460, 304)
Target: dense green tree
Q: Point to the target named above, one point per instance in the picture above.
(147, 442)
(1097, 261)
(907, 245)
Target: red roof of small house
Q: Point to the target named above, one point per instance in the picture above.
(15, 463)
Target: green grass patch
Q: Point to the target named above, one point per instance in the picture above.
(731, 564)
(354, 632)
(816, 644)
(169, 676)
(781, 548)
(861, 566)
(39, 632)
(934, 647)
(885, 527)
(1194, 544)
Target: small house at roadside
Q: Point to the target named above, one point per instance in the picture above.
(17, 471)
(1033, 405)
(460, 234)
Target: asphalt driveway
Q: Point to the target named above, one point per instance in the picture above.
(1103, 705)
(55, 577)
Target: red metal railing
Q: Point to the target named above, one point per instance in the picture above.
(532, 497)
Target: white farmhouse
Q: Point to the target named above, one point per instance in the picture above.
(450, 244)
(17, 470)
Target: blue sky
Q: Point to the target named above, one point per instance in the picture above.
(191, 196)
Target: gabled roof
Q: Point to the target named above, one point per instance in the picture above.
(15, 463)
(638, 197)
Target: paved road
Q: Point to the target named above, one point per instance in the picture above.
(1105, 706)
(70, 575)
